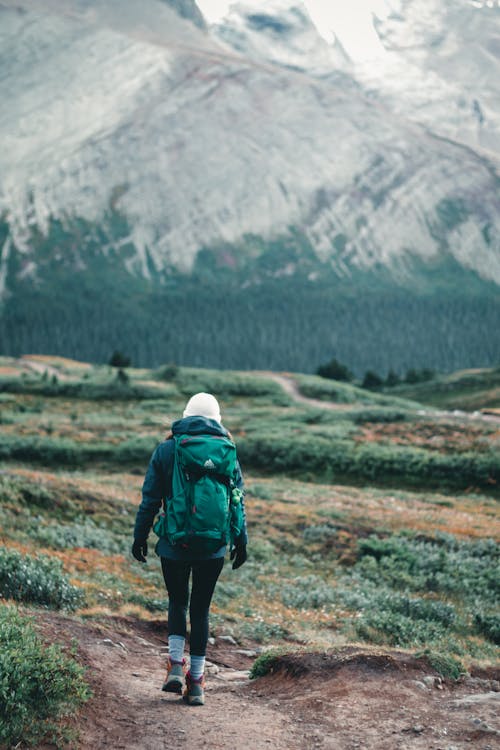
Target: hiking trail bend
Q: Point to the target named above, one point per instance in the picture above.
(291, 388)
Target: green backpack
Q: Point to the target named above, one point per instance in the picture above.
(205, 510)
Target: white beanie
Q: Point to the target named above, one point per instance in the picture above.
(203, 405)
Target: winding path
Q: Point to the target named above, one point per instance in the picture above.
(290, 386)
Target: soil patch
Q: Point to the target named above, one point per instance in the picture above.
(355, 699)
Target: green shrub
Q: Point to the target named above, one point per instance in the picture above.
(265, 663)
(118, 359)
(442, 564)
(377, 414)
(118, 388)
(383, 626)
(321, 458)
(167, 372)
(263, 632)
(444, 664)
(261, 491)
(460, 574)
(151, 604)
(83, 533)
(225, 384)
(20, 491)
(417, 608)
(319, 533)
(308, 592)
(488, 625)
(371, 380)
(346, 393)
(335, 370)
(38, 684)
(61, 451)
(37, 580)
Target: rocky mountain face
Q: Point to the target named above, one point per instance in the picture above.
(441, 68)
(136, 140)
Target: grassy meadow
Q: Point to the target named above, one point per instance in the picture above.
(371, 520)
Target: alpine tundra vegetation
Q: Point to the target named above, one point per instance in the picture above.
(373, 525)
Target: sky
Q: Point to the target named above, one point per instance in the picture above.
(352, 20)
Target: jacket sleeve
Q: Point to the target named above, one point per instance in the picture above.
(156, 487)
(243, 537)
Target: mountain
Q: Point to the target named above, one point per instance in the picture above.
(441, 68)
(236, 197)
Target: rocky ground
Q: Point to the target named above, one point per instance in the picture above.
(356, 699)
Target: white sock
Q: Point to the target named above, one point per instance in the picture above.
(197, 666)
(176, 647)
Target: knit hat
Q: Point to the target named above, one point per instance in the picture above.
(203, 405)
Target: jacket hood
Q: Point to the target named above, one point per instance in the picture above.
(197, 426)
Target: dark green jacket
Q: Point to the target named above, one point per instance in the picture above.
(157, 487)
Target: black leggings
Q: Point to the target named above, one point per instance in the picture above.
(176, 574)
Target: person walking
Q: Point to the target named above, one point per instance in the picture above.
(183, 556)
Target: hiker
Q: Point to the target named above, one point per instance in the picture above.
(186, 547)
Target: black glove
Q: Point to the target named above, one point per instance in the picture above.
(239, 555)
(140, 550)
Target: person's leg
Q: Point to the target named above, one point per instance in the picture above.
(176, 576)
(205, 575)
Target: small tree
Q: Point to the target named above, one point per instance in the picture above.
(335, 370)
(427, 374)
(168, 372)
(118, 359)
(392, 378)
(412, 376)
(122, 377)
(420, 376)
(372, 380)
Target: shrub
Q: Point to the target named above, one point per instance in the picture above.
(61, 451)
(39, 580)
(442, 564)
(151, 604)
(378, 589)
(324, 459)
(445, 665)
(167, 372)
(378, 414)
(397, 630)
(419, 376)
(265, 663)
(392, 379)
(122, 377)
(20, 491)
(334, 370)
(83, 533)
(371, 380)
(38, 684)
(488, 625)
(261, 491)
(308, 592)
(114, 389)
(319, 533)
(227, 383)
(118, 359)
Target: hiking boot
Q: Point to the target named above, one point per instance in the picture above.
(194, 692)
(174, 681)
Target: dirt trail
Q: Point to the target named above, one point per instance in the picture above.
(357, 701)
(40, 368)
(290, 386)
(126, 667)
